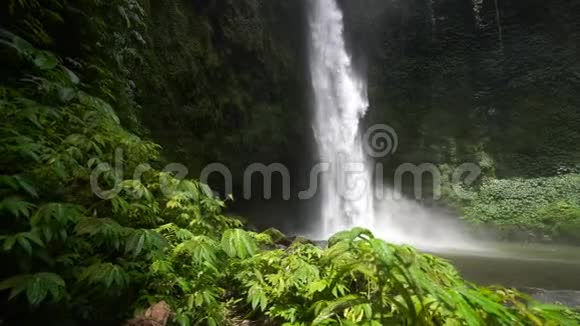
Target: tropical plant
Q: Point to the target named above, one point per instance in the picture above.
(104, 38)
(64, 245)
(73, 254)
(539, 205)
(362, 280)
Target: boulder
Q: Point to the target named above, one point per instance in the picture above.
(156, 315)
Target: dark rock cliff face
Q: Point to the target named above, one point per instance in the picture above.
(457, 78)
(225, 82)
(484, 81)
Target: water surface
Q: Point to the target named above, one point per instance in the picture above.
(551, 273)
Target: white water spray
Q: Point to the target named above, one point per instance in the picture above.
(340, 101)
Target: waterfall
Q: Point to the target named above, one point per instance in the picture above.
(340, 101)
(347, 193)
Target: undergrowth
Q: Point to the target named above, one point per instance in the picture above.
(72, 257)
(548, 206)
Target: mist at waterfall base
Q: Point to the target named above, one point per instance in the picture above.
(404, 221)
(340, 102)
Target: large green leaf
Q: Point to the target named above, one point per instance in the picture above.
(337, 306)
(60, 213)
(37, 286)
(238, 243)
(383, 251)
(141, 240)
(202, 249)
(106, 274)
(350, 235)
(17, 207)
(45, 60)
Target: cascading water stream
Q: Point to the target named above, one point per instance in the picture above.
(347, 191)
(340, 101)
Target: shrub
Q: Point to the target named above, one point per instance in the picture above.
(526, 204)
(72, 257)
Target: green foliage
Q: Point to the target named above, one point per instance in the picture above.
(562, 219)
(72, 255)
(106, 275)
(359, 279)
(238, 243)
(274, 235)
(98, 38)
(545, 205)
(228, 74)
(37, 287)
(64, 245)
